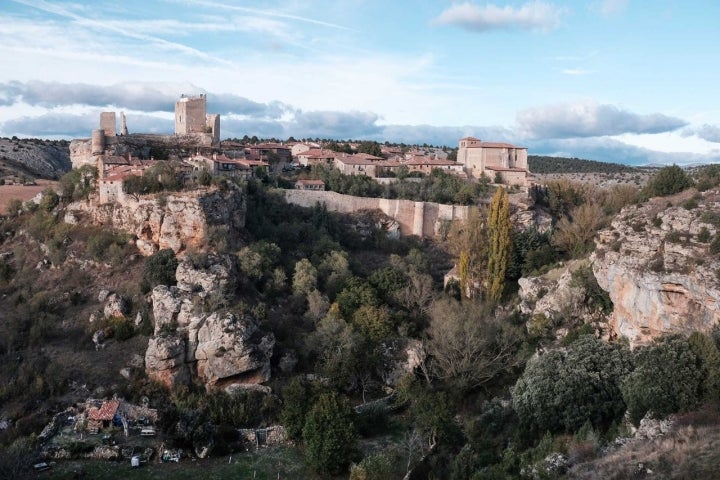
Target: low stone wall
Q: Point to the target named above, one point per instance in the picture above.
(423, 219)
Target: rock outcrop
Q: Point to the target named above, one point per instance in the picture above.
(178, 221)
(227, 350)
(655, 263)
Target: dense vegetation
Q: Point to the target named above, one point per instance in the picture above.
(543, 164)
(345, 303)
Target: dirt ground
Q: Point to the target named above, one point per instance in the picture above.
(22, 192)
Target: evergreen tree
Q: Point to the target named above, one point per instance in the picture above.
(499, 244)
(329, 434)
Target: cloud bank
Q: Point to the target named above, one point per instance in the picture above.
(531, 16)
(591, 119)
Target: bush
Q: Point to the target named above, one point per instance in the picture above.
(329, 434)
(668, 181)
(565, 388)
(666, 379)
(159, 269)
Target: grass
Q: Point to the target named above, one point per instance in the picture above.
(270, 464)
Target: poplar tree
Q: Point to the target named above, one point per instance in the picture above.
(499, 244)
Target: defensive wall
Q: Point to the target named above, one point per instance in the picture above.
(423, 219)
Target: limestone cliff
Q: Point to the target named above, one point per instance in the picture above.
(178, 221)
(225, 349)
(655, 263)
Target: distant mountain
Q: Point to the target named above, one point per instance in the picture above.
(32, 157)
(541, 164)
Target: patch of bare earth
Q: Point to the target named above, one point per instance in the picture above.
(22, 192)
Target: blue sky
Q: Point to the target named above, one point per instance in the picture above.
(614, 80)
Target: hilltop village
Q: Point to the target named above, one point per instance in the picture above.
(183, 304)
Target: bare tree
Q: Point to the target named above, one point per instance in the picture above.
(468, 346)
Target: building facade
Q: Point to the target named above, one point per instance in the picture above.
(493, 159)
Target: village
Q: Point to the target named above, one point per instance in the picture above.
(196, 145)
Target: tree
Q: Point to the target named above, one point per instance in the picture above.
(575, 232)
(304, 278)
(666, 379)
(469, 347)
(562, 389)
(329, 434)
(709, 364)
(470, 240)
(500, 243)
(298, 398)
(159, 269)
(667, 181)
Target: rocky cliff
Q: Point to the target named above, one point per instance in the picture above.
(178, 221)
(655, 263)
(41, 158)
(224, 349)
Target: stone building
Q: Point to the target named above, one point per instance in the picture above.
(493, 159)
(191, 117)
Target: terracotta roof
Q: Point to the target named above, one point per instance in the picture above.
(470, 138)
(105, 412)
(317, 153)
(367, 156)
(421, 160)
(494, 145)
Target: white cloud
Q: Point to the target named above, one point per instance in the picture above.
(576, 71)
(613, 7)
(590, 119)
(709, 133)
(531, 16)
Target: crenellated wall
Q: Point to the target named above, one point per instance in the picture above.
(415, 218)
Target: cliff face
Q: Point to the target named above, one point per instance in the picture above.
(178, 221)
(655, 263)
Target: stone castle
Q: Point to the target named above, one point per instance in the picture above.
(194, 129)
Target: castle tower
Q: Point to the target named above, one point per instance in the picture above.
(123, 124)
(190, 115)
(108, 123)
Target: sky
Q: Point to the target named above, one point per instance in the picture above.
(626, 81)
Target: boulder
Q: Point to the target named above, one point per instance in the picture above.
(116, 306)
(165, 360)
(230, 349)
(213, 276)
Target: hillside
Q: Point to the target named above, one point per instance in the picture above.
(544, 164)
(29, 158)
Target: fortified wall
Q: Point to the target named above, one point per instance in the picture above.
(423, 219)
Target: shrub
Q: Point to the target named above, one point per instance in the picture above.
(704, 235)
(668, 181)
(715, 245)
(159, 269)
(666, 379)
(690, 204)
(329, 434)
(565, 388)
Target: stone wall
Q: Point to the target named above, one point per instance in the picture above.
(415, 218)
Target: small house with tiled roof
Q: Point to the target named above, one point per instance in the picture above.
(315, 156)
(494, 159)
(310, 185)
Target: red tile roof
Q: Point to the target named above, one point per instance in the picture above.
(105, 412)
(310, 182)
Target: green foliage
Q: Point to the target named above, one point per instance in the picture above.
(370, 147)
(160, 177)
(562, 389)
(159, 269)
(666, 379)
(595, 296)
(298, 399)
(707, 177)
(500, 243)
(542, 164)
(704, 235)
(50, 199)
(106, 245)
(385, 465)
(715, 244)
(668, 181)
(78, 183)
(329, 434)
(355, 294)
(531, 251)
(304, 278)
(708, 357)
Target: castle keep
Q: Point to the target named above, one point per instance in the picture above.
(191, 117)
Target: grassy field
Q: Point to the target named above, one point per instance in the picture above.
(271, 464)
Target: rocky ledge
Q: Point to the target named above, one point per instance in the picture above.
(656, 264)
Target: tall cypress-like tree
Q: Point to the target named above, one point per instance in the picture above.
(499, 244)
(329, 434)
